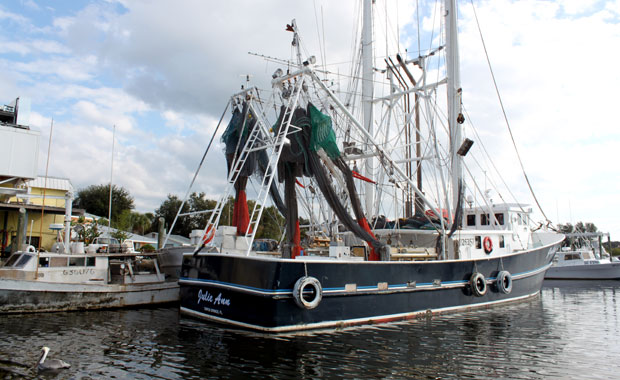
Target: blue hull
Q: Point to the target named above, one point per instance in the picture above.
(257, 293)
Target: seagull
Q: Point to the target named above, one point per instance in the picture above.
(52, 364)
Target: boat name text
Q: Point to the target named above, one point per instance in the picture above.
(77, 272)
(208, 297)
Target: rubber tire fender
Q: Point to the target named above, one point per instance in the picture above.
(299, 288)
(478, 284)
(504, 282)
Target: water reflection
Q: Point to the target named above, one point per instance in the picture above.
(569, 331)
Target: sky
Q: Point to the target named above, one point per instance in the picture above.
(158, 75)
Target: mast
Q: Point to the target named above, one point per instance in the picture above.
(367, 96)
(454, 97)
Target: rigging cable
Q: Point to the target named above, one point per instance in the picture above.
(506, 117)
(197, 171)
(488, 156)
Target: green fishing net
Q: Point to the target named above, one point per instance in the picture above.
(323, 135)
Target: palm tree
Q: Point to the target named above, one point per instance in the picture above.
(140, 222)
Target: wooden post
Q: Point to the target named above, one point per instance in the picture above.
(20, 238)
(162, 232)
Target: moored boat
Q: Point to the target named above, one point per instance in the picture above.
(33, 281)
(585, 259)
(276, 294)
(448, 254)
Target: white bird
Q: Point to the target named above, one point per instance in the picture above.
(51, 364)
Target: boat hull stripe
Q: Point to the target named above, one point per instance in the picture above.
(359, 290)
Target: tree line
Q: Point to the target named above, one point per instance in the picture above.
(94, 199)
(613, 247)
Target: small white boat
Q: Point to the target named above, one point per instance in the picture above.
(33, 281)
(585, 261)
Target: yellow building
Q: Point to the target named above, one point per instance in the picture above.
(40, 199)
(29, 204)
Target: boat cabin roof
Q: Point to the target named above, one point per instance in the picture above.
(20, 258)
(500, 207)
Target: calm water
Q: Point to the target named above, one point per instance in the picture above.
(571, 331)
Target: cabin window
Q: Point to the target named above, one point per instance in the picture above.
(44, 262)
(58, 261)
(572, 256)
(107, 241)
(90, 261)
(478, 242)
(22, 261)
(500, 218)
(484, 219)
(76, 261)
(12, 260)
(501, 241)
(471, 220)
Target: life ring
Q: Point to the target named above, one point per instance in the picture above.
(31, 249)
(301, 287)
(208, 236)
(487, 244)
(478, 284)
(504, 282)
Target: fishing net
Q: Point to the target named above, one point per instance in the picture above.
(230, 137)
(235, 136)
(322, 135)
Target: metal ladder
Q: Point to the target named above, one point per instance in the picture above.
(254, 143)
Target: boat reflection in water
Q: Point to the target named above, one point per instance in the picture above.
(558, 335)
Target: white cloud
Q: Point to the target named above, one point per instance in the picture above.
(575, 7)
(162, 73)
(13, 17)
(556, 76)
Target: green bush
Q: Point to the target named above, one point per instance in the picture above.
(147, 248)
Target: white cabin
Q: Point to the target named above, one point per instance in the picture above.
(495, 230)
(71, 268)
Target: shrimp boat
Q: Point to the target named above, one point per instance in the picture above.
(335, 266)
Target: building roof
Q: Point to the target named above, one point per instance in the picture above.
(55, 183)
(132, 236)
(173, 238)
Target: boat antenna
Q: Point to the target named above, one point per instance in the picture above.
(247, 81)
(111, 174)
(296, 45)
(47, 165)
